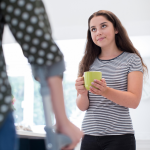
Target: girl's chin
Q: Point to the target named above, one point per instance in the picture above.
(101, 45)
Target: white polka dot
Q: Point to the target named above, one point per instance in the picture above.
(1, 117)
(3, 88)
(25, 16)
(44, 44)
(22, 25)
(53, 48)
(7, 18)
(29, 29)
(41, 24)
(14, 21)
(21, 3)
(12, 1)
(57, 58)
(33, 19)
(19, 34)
(10, 9)
(48, 63)
(50, 56)
(35, 41)
(31, 58)
(29, 6)
(4, 108)
(33, 50)
(3, 5)
(39, 32)
(3, 74)
(40, 61)
(1, 81)
(47, 36)
(7, 99)
(36, 11)
(25, 46)
(41, 53)
(17, 12)
(27, 38)
(1, 96)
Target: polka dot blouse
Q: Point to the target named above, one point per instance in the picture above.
(29, 25)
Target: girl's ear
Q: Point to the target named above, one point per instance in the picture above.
(116, 31)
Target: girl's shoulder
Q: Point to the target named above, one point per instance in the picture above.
(131, 56)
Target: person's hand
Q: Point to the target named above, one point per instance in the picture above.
(100, 87)
(73, 132)
(79, 84)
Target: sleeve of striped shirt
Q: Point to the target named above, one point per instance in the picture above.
(135, 64)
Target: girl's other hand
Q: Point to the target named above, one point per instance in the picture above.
(100, 87)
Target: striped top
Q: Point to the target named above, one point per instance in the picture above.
(104, 117)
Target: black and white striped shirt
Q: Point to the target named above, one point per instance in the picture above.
(104, 117)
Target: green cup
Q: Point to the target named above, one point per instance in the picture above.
(89, 77)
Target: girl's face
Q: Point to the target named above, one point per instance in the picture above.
(102, 31)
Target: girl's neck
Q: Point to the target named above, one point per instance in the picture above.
(109, 52)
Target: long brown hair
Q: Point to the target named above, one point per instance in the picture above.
(121, 38)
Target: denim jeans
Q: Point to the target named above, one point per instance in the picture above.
(8, 138)
(113, 142)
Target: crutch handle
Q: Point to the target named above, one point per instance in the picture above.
(56, 141)
(63, 140)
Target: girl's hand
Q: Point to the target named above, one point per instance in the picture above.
(100, 87)
(79, 84)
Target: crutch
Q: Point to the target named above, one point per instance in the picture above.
(54, 141)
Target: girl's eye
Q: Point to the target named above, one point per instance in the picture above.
(93, 29)
(103, 26)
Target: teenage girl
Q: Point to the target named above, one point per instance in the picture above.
(107, 124)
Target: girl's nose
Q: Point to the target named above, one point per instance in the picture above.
(99, 32)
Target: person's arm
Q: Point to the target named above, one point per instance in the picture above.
(62, 123)
(56, 90)
(130, 98)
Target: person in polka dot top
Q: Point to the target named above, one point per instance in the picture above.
(29, 24)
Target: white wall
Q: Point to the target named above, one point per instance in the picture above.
(69, 17)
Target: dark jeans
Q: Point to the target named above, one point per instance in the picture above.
(8, 138)
(113, 142)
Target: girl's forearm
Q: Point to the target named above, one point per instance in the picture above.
(123, 98)
(82, 101)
